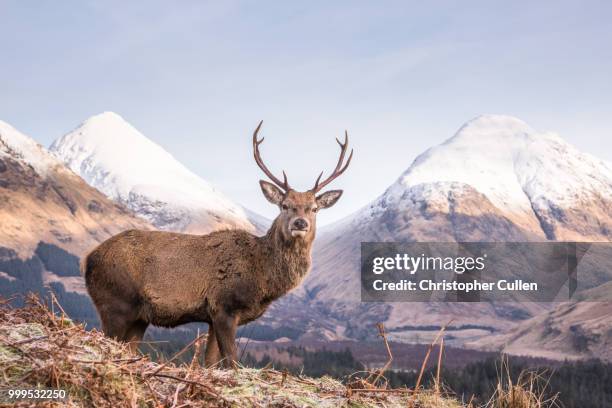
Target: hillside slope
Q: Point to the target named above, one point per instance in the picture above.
(573, 330)
(97, 371)
(42, 200)
(49, 217)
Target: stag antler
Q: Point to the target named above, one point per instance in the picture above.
(339, 168)
(282, 184)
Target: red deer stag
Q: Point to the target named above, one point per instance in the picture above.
(226, 278)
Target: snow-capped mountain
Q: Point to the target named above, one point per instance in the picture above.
(48, 217)
(496, 179)
(114, 157)
(537, 180)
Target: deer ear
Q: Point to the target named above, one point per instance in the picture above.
(272, 193)
(328, 198)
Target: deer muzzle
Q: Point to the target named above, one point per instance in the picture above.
(299, 227)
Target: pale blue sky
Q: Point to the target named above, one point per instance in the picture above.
(197, 76)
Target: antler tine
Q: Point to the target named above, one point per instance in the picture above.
(339, 167)
(343, 147)
(282, 184)
(318, 179)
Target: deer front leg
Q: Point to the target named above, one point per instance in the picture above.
(225, 327)
(211, 356)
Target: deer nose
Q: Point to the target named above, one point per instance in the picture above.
(300, 224)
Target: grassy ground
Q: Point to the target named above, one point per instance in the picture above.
(42, 349)
(38, 349)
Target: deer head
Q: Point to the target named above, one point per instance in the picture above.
(298, 210)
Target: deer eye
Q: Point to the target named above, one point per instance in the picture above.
(315, 209)
(285, 207)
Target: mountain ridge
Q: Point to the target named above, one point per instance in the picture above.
(425, 183)
(113, 156)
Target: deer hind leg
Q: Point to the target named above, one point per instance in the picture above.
(225, 331)
(114, 326)
(211, 356)
(135, 333)
(119, 321)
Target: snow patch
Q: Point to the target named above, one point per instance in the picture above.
(18, 146)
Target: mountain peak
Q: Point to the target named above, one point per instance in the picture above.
(109, 114)
(509, 129)
(113, 156)
(518, 168)
(490, 120)
(121, 156)
(107, 128)
(22, 147)
(106, 115)
(507, 132)
(483, 153)
(107, 118)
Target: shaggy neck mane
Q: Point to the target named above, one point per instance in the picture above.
(289, 260)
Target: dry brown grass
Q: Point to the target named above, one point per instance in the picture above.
(39, 349)
(527, 392)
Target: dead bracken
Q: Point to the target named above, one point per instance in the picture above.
(40, 349)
